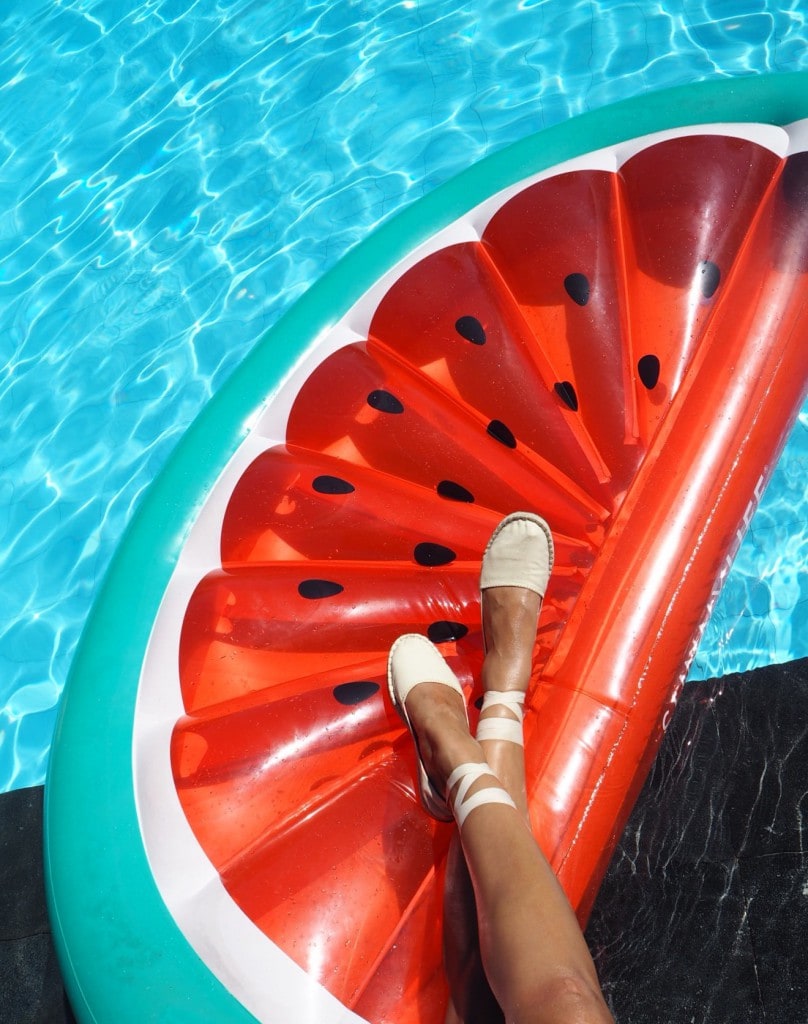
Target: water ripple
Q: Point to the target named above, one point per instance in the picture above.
(174, 173)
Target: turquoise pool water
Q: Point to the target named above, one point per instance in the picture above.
(174, 174)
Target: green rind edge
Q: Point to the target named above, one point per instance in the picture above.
(122, 955)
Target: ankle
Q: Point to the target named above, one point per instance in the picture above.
(507, 670)
(503, 703)
(473, 784)
(510, 617)
(441, 725)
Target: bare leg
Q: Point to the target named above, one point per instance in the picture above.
(510, 615)
(534, 954)
(471, 1000)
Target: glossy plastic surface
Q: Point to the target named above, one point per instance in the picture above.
(511, 372)
(619, 344)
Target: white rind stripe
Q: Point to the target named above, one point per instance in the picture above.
(257, 972)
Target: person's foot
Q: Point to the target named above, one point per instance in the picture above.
(452, 758)
(509, 617)
(438, 718)
(430, 700)
(515, 570)
(452, 768)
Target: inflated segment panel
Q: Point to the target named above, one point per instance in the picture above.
(618, 344)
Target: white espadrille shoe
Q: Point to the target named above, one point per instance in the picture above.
(414, 659)
(519, 554)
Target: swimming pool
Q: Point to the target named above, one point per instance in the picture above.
(175, 174)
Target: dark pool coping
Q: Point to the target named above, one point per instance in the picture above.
(702, 913)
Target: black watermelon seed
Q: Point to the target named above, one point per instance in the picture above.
(454, 492)
(470, 328)
(566, 392)
(479, 702)
(384, 402)
(648, 369)
(313, 590)
(498, 430)
(427, 553)
(710, 278)
(443, 631)
(577, 287)
(331, 485)
(355, 692)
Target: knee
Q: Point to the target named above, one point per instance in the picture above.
(571, 999)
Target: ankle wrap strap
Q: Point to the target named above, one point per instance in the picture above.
(502, 728)
(466, 775)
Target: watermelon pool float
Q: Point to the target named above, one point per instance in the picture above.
(606, 323)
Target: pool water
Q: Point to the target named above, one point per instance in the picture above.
(174, 174)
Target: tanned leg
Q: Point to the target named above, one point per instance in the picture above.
(510, 616)
(533, 952)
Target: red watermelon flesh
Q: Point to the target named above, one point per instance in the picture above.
(535, 368)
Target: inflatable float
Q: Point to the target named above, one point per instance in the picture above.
(607, 323)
